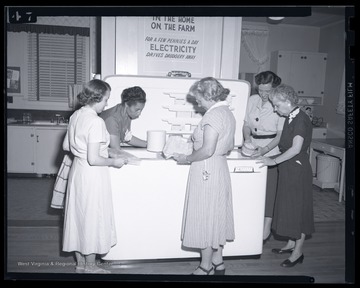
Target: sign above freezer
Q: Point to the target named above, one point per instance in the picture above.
(168, 107)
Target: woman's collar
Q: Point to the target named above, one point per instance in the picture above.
(218, 104)
(293, 113)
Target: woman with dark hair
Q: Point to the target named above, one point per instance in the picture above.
(118, 118)
(208, 221)
(293, 212)
(262, 128)
(89, 221)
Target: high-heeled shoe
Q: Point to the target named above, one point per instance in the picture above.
(218, 271)
(203, 269)
(288, 263)
(282, 251)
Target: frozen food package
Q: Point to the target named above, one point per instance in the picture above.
(132, 159)
(177, 144)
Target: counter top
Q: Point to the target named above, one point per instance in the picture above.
(39, 123)
(336, 142)
(142, 153)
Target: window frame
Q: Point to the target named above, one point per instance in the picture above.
(44, 64)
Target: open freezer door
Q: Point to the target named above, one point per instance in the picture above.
(167, 107)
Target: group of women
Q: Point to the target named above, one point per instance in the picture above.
(280, 131)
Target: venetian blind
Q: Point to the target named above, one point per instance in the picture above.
(55, 62)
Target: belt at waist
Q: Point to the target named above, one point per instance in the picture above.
(263, 136)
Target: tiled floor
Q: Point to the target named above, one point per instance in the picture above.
(32, 222)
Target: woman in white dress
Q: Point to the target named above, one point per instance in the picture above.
(208, 220)
(89, 222)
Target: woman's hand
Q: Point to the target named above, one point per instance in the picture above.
(180, 158)
(113, 153)
(119, 162)
(257, 153)
(260, 151)
(248, 140)
(266, 161)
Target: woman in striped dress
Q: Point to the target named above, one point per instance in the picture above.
(208, 220)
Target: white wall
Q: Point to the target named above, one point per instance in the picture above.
(329, 39)
(332, 41)
(282, 37)
(17, 56)
(122, 40)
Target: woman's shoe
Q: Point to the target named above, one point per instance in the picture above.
(282, 251)
(79, 269)
(203, 269)
(288, 263)
(217, 271)
(97, 270)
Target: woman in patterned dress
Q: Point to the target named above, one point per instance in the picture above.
(293, 212)
(208, 220)
(89, 227)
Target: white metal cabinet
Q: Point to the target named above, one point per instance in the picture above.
(148, 213)
(304, 71)
(34, 149)
(48, 149)
(319, 133)
(333, 147)
(20, 149)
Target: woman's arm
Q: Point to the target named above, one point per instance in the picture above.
(288, 154)
(246, 132)
(134, 141)
(115, 142)
(66, 144)
(270, 146)
(210, 140)
(94, 158)
(292, 151)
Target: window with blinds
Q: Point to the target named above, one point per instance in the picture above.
(56, 61)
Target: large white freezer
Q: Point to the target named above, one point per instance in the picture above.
(148, 199)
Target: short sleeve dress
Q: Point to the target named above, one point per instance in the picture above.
(263, 120)
(89, 220)
(208, 219)
(117, 121)
(293, 212)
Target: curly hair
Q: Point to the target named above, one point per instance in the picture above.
(284, 92)
(210, 89)
(93, 92)
(133, 95)
(267, 77)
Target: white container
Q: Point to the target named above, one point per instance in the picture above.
(156, 140)
(327, 168)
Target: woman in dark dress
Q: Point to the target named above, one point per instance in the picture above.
(293, 212)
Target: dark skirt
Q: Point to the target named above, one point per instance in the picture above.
(293, 212)
(271, 187)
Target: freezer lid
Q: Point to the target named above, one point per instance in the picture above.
(166, 105)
